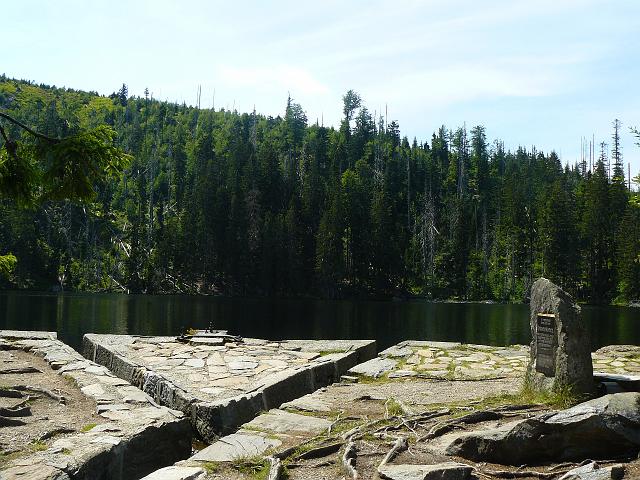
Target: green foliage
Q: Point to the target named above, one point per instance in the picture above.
(72, 166)
(7, 264)
(68, 168)
(243, 204)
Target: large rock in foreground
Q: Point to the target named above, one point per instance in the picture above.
(560, 345)
(605, 427)
(440, 471)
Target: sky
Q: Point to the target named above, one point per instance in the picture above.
(543, 72)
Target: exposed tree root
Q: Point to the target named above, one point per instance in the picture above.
(349, 460)
(10, 422)
(276, 469)
(17, 370)
(55, 432)
(321, 451)
(15, 412)
(28, 388)
(400, 445)
(10, 393)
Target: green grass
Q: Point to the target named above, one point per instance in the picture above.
(87, 427)
(451, 370)
(38, 446)
(211, 467)
(393, 407)
(255, 467)
(558, 397)
(324, 353)
(366, 380)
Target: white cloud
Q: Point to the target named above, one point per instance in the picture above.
(279, 77)
(460, 83)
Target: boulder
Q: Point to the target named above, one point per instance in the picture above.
(439, 471)
(600, 428)
(592, 471)
(236, 445)
(177, 473)
(375, 367)
(561, 345)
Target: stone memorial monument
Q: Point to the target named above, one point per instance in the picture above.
(560, 345)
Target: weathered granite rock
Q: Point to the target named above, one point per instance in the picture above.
(560, 346)
(279, 421)
(376, 367)
(307, 403)
(34, 471)
(397, 351)
(236, 445)
(176, 473)
(626, 382)
(439, 471)
(604, 427)
(592, 471)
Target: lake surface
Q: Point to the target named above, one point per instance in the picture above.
(388, 322)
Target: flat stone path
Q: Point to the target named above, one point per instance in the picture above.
(456, 361)
(221, 382)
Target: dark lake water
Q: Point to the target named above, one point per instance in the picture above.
(388, 322)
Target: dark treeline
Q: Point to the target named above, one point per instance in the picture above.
(243, 204)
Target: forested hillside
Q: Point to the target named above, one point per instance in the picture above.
(243, 204)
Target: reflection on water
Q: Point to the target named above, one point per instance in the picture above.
(73, 315)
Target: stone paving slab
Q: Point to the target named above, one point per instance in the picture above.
(244, 443)
(280, 421)
(177, 473)
(452, 360)
(222, 386)
(134, 436)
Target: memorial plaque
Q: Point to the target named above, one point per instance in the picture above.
(546, 344)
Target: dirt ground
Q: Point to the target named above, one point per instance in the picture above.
(37, 405)
(426, 413)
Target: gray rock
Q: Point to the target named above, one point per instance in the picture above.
(601, 428)
(194, 362)
(626, 382)
(133, 395)
(568, 362)
(396, 351)
(96, 370)
(242, 365)
(236, 445)
(279, 421)
(307, 403)
(375, 367)
(38, 471)
(176, 473)
(111, 407)
(439, 471)
(592, 471)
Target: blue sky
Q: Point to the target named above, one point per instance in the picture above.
(543, 72)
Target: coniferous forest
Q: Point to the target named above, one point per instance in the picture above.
(243, 204)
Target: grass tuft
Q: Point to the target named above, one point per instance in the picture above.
(87, 427)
